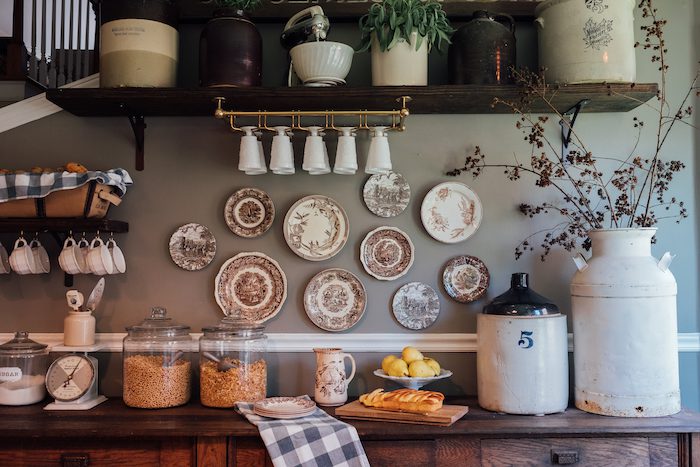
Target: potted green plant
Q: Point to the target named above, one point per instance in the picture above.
(230, 46)
(138, 43)
(400, 34)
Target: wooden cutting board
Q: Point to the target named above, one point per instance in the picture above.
(446, 416)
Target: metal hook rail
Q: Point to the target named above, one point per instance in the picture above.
(398, 117)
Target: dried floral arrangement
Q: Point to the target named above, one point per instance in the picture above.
(634, 194)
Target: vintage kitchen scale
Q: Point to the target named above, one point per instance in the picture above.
(72, 379)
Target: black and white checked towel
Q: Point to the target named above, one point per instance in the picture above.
(317, 440)
(23, 186)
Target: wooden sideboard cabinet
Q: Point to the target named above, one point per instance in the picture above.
(113, 434)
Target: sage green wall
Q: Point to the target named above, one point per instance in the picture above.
(191, 170)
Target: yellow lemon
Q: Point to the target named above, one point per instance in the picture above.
(397, 368)
(432, 363)
(411, 354)
(420, 369)
(386, 361)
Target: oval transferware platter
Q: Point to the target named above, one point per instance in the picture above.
(416, 305)
(465, 278)
(387, 253)
(316, 228)
(251, 286)
(192, 247)
(335, 299)
(451, 212)
(249, 212)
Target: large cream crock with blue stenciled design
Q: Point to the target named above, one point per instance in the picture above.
(586, 41)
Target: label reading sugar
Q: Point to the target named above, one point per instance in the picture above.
(10, 373)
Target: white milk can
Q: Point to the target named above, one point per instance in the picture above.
(586, 41)
(522, 354)
(625, 332)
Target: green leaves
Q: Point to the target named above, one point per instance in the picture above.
(245, 5)
(395, 20)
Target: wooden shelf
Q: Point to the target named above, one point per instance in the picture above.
(441, 99)
(193, 11)
(62, 225)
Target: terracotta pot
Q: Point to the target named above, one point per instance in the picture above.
(230, 51)
(623, 302)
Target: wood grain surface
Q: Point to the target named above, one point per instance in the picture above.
(445, 416)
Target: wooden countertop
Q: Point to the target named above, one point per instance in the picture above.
(113, 419)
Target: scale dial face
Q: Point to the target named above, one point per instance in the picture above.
(69, 377)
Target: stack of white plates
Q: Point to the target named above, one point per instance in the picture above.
(321, 81)
(284, 407)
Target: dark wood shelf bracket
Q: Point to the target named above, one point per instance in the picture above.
(567, 124)
(138, 125)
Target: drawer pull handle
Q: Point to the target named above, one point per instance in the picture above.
(75, 460)
(564, 457)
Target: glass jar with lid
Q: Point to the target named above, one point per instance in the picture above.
(232, 363)
(156, 362)
(23, 364)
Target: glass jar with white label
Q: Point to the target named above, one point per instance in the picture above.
(23, 364)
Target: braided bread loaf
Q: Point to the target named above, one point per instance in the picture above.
(405, 400)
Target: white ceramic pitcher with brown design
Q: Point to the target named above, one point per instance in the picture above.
(331, 381)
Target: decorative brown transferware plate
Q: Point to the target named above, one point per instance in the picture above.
(387, 195)
(451, 212)
(335, 299)
(416, 305)
(316, 228)
(465, 278)
(192, 247)
(285, 405)
(249, 212)
(251, 286)
(387, 253)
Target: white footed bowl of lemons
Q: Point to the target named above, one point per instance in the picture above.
(411, 370)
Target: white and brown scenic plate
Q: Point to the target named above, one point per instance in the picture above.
(387, 253)
(285, 405)
(251, 286)
(249, 212)
(192, 247)
(316, 228)
(335, 299)
(416, 305)
(451, 212)
(465, 278)
(387, 195)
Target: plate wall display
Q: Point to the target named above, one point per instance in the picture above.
(335, 299)
(451, 212)
(316, 228)
(416, 305)
(249, 212)
(465, 278)
(387, 253)
(252, 286)
(192, 247)
(387, 195)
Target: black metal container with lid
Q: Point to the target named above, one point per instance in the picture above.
(23, 364)
(521, 300)
(157, 368)
(232, 363)
(483, 50)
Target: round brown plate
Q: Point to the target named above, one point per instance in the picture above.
(192, 247)
(465, 278)
(249, 212)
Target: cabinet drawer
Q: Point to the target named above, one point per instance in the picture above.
(598, 452)
(91, 453)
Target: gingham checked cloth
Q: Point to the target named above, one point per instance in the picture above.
(317, 440)
(22, 186)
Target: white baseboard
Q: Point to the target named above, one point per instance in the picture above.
(360, 342)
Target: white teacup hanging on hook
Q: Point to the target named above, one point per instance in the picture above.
(282, 153)
(346, 152)
(315, 154)
(379, 157)
(249, 152)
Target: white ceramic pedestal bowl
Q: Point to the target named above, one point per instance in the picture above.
(322, 61)
(413, 382)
